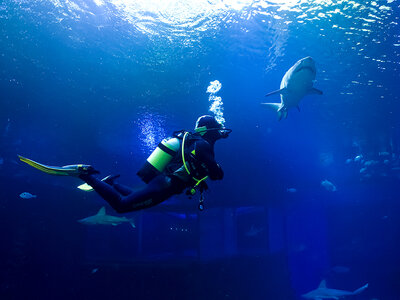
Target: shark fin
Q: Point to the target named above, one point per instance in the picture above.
(102, 211)
(282, 114)
(360, 289)
(132, 222)
(322, 285)
(315, 91)
(273, 106)
(276, 92)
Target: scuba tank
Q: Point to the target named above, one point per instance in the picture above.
(159, 159)
(165, 152)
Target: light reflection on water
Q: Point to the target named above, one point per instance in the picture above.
(188, 21)
(184, 17)
(337, 30)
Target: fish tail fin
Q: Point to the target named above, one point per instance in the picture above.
(360, 289)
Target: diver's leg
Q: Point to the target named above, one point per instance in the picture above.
(122, 189)
(156, 191)
(105, 190)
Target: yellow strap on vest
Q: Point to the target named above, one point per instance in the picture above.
(198, 181)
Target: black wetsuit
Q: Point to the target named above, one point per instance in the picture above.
(163, 186)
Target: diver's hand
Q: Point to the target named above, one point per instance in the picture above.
(220, 173)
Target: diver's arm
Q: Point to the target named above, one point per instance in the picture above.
(205, 154)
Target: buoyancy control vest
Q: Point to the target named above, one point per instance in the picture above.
(174, 155)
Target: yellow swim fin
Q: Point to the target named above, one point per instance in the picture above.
(70, 170)
(87, 188)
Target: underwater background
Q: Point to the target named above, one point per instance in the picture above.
(102, 82)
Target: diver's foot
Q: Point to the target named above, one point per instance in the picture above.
(110, 179)
(87, 170)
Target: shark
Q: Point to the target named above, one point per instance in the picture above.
(296, 83)
(322, 292)
(101, 218)
(254, 231)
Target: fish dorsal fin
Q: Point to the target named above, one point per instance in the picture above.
(102, 211)
(322, 285)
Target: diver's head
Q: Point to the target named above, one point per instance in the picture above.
(210, 129)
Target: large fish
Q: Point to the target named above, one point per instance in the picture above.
(322, 292)
(101, 218)
(296, 83)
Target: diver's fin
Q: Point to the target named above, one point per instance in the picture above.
(276, 92)
(102, 211)
(108, 179)
(360, 289)
(85, 187)
(44, 168)
(70, 170)
(315, 91)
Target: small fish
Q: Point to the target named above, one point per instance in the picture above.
(384, 153)
(349, 160)
(291, 190)
(371, 163)
(26, 195)
(358, 158)
(1, 161)
(363, 170)
(95, 270)
(329, 186)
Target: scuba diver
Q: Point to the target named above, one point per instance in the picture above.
(183, 161)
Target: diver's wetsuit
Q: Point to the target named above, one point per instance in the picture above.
(123, 199)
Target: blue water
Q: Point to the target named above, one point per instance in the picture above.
(103, 81)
